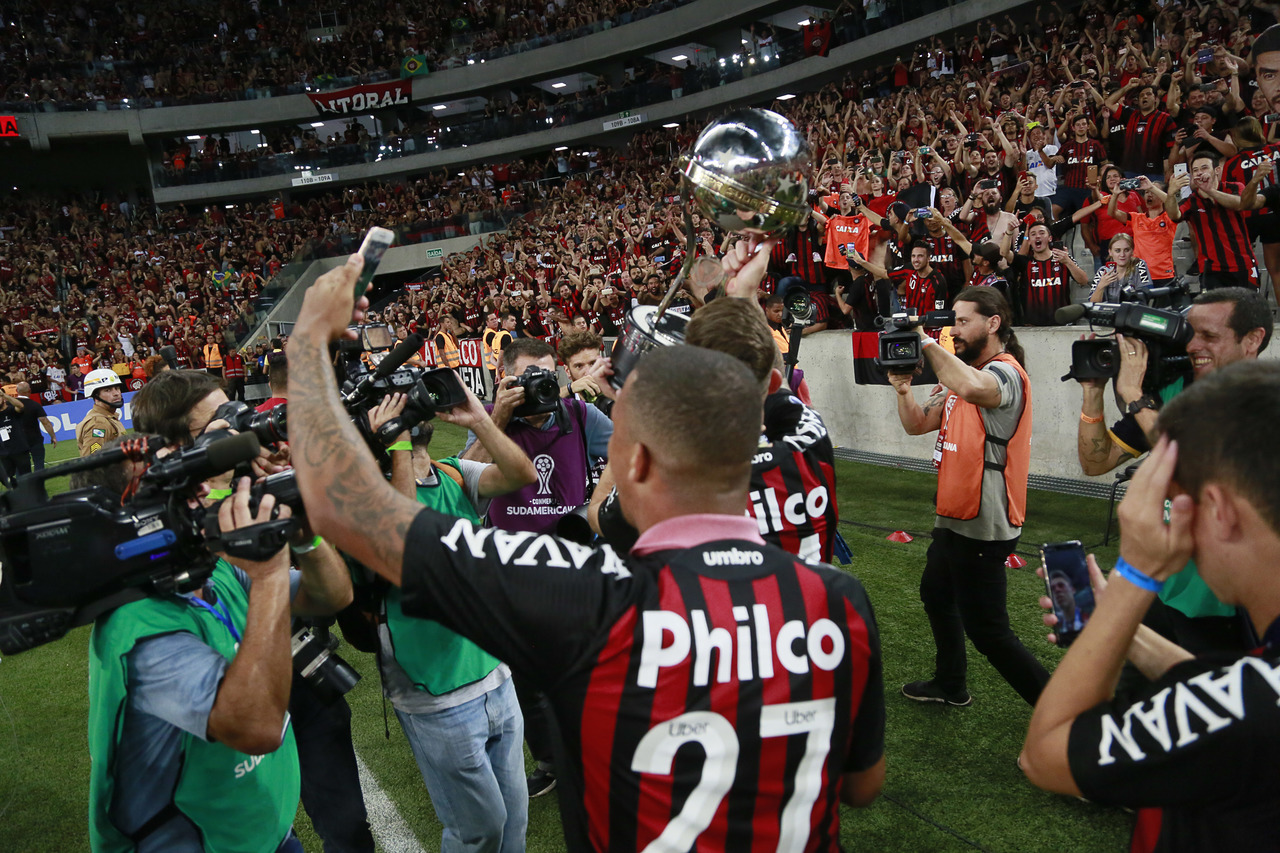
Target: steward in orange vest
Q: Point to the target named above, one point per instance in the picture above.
(447, 344)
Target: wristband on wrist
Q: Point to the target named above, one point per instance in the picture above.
(1136, 577)
(1090, 420)
(306, 549)
(925, 341)
(401, 445)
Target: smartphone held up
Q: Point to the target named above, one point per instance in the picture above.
(375, 245)
(1066, 579)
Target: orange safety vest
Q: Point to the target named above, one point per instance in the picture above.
(490, 354)
(448, 354)
(212, 356)
(961, 456)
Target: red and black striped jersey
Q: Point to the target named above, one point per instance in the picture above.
(1079, 157)
(1240, 168)
(707, 696)
(1146, 139)
(793, 482)
(948, 259)
(920, 293)
(1043, 287)
(1221, 234)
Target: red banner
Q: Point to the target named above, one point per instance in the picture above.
(8, 126)
(363, 99)
(469, 352)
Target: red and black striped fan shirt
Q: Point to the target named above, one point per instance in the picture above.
(1221, 234)
(1079, 157)
(709, 690)
(1146, 139)
(1044, 287)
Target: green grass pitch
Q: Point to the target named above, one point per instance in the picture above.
(952, 783)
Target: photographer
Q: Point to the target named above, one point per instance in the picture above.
(585, 624)
(565, 446)
(983, 418)
(190, 741)
(179, 405)
(1230, 324)
(1196, 747)
(456, 703)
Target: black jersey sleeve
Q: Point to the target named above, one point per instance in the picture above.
(535, 601)
(1204, 732)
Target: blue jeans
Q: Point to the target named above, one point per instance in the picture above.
(472, 761)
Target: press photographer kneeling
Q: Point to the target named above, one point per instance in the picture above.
(1227, 325)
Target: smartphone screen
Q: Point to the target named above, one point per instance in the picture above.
(1093, 173)
(1066, 577)
(375, 245)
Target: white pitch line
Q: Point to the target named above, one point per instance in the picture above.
(389, 828)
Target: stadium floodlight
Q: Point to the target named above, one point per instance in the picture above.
(440, 107)
(317, 124)
(680, 57)
(671, 124)
(559, 85)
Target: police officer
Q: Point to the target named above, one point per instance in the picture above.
(103, 421)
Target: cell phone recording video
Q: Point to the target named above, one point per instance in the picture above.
(374, 246)
(1066, 578)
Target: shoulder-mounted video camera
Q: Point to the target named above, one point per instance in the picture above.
(1166, 334)
(899, 343)
(69, 558)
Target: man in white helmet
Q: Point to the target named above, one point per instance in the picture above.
(103, 421)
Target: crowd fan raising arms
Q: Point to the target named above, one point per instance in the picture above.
(987, 136)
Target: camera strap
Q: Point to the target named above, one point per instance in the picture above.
(221, 615)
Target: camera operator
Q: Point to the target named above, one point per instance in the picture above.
(1196, 747)
(586, 365)
(102, 423)
(565, 446)
(983, 418)
(589, 626)
(1045, 270)
(179, 405)
(456, 703)
(191, 744)
(1230, 324)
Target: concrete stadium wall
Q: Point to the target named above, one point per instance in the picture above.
(864, 417)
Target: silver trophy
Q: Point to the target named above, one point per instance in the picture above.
(748, 171)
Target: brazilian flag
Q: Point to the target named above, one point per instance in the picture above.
(413, 66)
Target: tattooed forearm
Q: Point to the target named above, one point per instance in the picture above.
(934, 402)
(347, 498)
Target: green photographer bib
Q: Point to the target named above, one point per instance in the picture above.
(435, 658)
(240, 803)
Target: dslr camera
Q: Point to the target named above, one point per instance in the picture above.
(899, 343)
(363, 388)
(271, 427)
(541, 392)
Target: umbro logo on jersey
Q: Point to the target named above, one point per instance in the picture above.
(733, 557)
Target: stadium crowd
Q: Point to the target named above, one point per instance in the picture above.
(75, 55)
(1058, 126)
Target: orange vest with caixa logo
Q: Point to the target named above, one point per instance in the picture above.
(960, 455)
